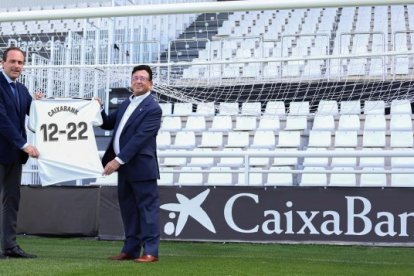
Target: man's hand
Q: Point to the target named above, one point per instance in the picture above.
(31, 151)
(111, 167)
(99, 101)
(38, 95)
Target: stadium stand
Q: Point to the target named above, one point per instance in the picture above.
(300, 80)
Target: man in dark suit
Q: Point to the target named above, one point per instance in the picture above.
(15, 103)
(133, 153)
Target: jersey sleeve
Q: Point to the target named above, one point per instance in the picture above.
(32, 122)
(97, 117)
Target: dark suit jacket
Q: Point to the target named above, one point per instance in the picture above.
(12, 120)
(138, 147)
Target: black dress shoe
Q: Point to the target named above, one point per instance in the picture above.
(17, 252)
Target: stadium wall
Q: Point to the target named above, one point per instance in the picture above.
(380, 216)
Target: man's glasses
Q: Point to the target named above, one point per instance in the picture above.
(137, 78)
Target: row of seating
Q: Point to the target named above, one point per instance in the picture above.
(285, 139)
(286, 33)
(270, 122)
(325, 107)
(370, 177)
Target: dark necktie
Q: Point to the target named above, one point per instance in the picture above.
(15, 96)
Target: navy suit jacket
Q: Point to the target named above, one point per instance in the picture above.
(12, 122)
(138, 140)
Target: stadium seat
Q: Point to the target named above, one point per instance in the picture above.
(163, 140)
(237, 139)
(166, 179)
(289, 139)
(245, 123)
(183, 109)
(275, 108)
(350, 107)
(264, 139)
(201, 161)
(349, 122)
(255, 179)
(260, 161)
(341, 179)
(284, 161)
(370, 179)
(313, 179)
(228, 108)
(401, 139)
(192, 178)
(166, 109)
(346, 139)
(326, 107)
(319, 139)
(251, 108)
(205, 109)
(231, 161)
(211, 139)
(276, 178)
(171, 124)
(269, 122)
(316, 161)
(220, 177)
(402, 180)
(221, 123)
(195, 123)
(401, 122)
(400, 107)
(299, 108)
(323, 122)
(374, 107)
(373, 138)
(184, 140)
(174, 161)
(296, 123)
(375, 122)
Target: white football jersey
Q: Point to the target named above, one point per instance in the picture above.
(65, 139)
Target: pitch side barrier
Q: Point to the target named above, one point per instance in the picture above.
(329, 215)
(271, 214)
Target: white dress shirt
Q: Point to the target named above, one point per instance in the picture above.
(134, 102)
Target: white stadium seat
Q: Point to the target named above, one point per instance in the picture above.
(374, 107)
(275, 108)
(205, 109)
(220, 177)
(401, 107)
(349, 122)
(166, 109)
(252, 108)
(195, 123)
(245, 123)
(350, 107)
(276, 178)
(221, 123)
(269, 122)
(183, 109)
(326, 107)
(228, 108)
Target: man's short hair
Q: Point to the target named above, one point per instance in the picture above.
(13, 48)
(145, 68)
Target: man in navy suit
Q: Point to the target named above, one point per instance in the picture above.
(15, 103)
(133, 153)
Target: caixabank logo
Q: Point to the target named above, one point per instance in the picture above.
(186, 208)
(355, 215)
